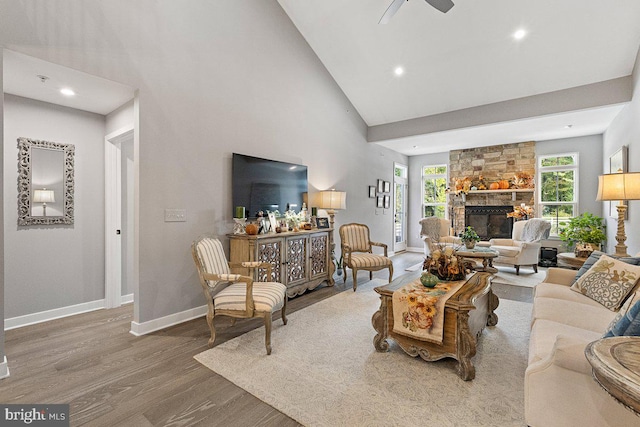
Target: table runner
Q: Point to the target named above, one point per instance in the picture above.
(418, 311)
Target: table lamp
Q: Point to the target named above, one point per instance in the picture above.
(619, 186)
(44, 196)
(331, 201)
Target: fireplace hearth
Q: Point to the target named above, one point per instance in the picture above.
(489, 221)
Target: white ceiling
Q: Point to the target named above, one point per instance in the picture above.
(468, 57)
(94, 94)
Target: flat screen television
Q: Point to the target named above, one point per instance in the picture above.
(267, 185)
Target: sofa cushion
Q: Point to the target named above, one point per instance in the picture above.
(595, 256)
(609, 281)
(572, 313)
(545, 332)
(623, 310)
(562, 292)
(507, 251)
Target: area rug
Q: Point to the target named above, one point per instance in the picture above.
(507, 275)
(324, 370)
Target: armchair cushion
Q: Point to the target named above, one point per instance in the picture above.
(507, 251)
(609, 282)
(267, 297)
(366, 260)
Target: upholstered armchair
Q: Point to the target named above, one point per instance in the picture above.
(235, 295)
(435, 231)
(358, 255)
(524, 246)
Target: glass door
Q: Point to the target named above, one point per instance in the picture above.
(400, 208)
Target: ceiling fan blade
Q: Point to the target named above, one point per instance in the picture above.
(391, 10)
(442, 5)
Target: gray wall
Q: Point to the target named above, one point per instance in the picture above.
(213, 78)
(625, 130)
(59, 265)
(2, 311)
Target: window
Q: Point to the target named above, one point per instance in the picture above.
(434, 195)
(558, 189)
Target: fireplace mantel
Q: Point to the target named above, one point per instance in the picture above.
(513, 192)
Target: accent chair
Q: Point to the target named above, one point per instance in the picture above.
(235, 295)
(434, 231)
(358, 255)
(524, 246)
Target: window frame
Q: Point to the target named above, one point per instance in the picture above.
(575, 167)
(424, 177)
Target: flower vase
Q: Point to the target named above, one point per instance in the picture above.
(470, 244)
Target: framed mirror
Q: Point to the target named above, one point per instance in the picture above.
(45, 182)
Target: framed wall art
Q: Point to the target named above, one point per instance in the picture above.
(618, 163)
(387, 187)
(387, 202)
(379, 202)
(372, 191)
(380, 186)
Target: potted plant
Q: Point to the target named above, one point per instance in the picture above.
(469, 237)
(585, 231)
(339, 266)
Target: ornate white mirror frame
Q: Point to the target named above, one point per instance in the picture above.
(26, 189)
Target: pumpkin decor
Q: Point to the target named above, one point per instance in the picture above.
(504, 184)
(494, 186)
(251, 229)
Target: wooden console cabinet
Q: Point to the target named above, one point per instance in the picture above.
(300, 260)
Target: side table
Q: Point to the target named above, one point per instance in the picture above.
(570, 260)
(616, 367)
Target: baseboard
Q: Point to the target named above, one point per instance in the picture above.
(126, 299)
(139, 329)
(56, 313)
(4, 369)
(415, 249)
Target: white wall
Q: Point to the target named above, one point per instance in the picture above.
(213, 78)
(625, 130)
(3, 367)
(58, 265)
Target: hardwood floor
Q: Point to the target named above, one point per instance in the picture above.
(112, 378)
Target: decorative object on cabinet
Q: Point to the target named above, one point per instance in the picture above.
(618, 163)
(622, 187)
(299, 260)
(357, 252)
(237, 296)
(372, 191)
(323, 222)
(45, 164)
(239, 225)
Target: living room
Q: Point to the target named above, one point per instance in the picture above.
(209, 80)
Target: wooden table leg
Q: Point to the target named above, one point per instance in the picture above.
(466, 348)
(379, 322)
(492, 318)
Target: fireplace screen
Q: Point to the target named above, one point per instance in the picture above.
(489, 221)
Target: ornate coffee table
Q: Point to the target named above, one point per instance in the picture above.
(466, 314)
(485, 255)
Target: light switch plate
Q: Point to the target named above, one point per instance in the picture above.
(175, 215)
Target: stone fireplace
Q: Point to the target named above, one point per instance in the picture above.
(489, 221)
(494, 163)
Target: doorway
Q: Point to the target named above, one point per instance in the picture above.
(400, 188)
(119, 217)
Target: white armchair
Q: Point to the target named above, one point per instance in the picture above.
(435, 231)
(524, 246)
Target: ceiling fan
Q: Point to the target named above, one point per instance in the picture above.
(442, 5)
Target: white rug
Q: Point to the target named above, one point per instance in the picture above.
(324, 370)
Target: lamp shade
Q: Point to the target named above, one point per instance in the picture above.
(332, 200)
(619, 186)
(44, 196)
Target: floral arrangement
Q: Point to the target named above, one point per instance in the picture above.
(445, 264)
(521, 212)
(522, 180)
(469, 235)
(294, 219)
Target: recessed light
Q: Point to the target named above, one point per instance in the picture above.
(519, 35)
(398, 71)
(415, 146)
(568, 126)
(67, 92)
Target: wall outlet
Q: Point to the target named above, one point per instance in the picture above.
(175, 215)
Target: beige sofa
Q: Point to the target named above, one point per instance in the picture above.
(558, 387)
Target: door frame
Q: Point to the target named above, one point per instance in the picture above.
(404, 181)
(113, 214)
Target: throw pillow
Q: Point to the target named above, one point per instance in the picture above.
(623, 311)
(609, 281)
(595, 256)
(628, 325)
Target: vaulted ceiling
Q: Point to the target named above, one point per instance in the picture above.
(468, 58)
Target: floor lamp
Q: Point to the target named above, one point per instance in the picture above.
(622, 187)
(331, 201)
